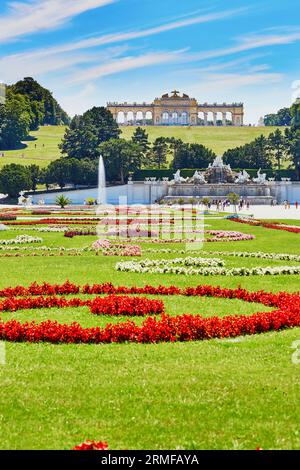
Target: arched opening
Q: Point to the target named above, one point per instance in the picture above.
(165, 117)
(149, 118)
(200, 118)
(228, 116)
(174, 118)
(184, 118)
(130, 117)
(139, 118)
(120, 117)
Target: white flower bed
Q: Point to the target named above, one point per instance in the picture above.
(210, 266)
(20, 240)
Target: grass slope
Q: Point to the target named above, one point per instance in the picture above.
(215, 394)
(42, 148)
(219, 139)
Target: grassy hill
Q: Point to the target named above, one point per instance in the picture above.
(42, 147)
(219, 139)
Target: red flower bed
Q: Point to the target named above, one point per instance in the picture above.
(262, 223)
(40, 212)
(123, 305)
(152, 330)
(7, 217)
(75, 233)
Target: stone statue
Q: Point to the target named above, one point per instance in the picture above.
(243, 177)
(261, 177)
(178, 178)
(22, 199)
(198, 178)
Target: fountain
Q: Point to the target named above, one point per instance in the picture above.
(218, 181)
(101, 200)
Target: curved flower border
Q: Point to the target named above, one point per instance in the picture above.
(153, 330)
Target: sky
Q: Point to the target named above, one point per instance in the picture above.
(89, 52)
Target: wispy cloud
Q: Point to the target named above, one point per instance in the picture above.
(255, 41)
(125, 64)
(40, 15)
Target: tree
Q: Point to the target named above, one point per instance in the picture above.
(295, 112)
(159, 152)
(62, 201)
(192, 156)
(140, 137)
(282, 118)
(253, 155)
(120, 158)
(293, 146)
(59, 172)
(44, 108)
(13, 179)
(87, 132)
(14, 121)
(277, 146)
(35, 172)
(233, 198)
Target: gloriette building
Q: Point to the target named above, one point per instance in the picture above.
(175, 110)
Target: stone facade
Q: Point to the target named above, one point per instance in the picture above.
(177, 110)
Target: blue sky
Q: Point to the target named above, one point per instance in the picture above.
(89, 52)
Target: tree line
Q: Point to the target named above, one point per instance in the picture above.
(27, 106)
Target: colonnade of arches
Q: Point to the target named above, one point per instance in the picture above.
(131, 117)
(212, 118)
(204, 118)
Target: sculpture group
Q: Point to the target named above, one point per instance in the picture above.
(218, 172)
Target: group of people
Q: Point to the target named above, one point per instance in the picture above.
(222, 204)
(287, 204)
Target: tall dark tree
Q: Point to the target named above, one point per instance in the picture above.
(159, 152)
(13, 179)
(14, 121)
(35, 174)
(293, 145)
(140, 137)
(120, 158)
(277, 147)
(282, 118)
(45, 109)
(87, 132)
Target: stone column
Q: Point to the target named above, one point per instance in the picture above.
(215, 118)
(125, 119)
(205, 119)
(224, 119)
(144, 119)
(134, 119)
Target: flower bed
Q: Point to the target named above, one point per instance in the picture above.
(7, 217)
(21, 239)
(124, 305)
(205, 267)
(272, 225)
(152, 330)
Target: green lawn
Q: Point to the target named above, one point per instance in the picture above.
(219, 139)
(42, 148)
(216, 394)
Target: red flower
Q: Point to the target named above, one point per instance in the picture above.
(92, 445)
